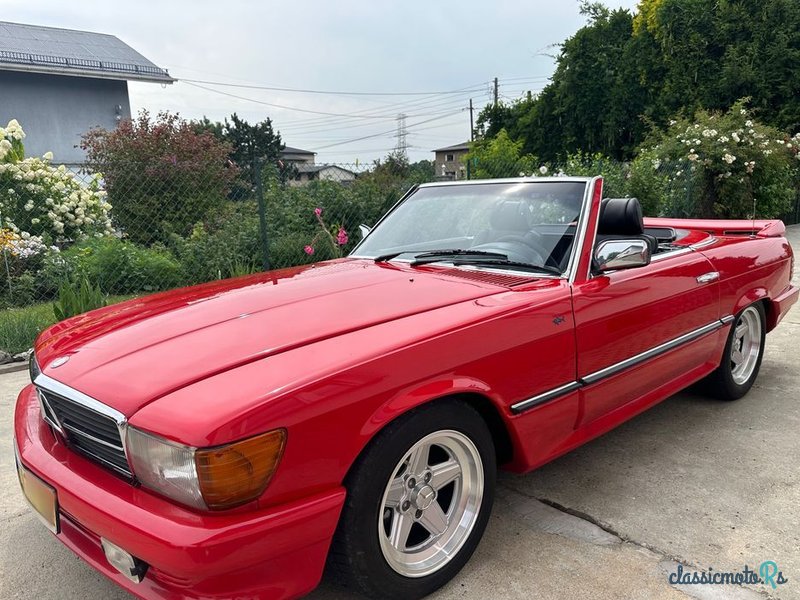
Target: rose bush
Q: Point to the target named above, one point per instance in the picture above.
(718, 165)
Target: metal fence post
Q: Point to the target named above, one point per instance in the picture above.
(262, 214)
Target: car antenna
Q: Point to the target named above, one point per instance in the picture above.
(753, 230)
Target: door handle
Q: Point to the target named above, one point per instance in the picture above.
(708, 277)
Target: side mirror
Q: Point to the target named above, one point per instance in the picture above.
(364, 229)
(611, 255)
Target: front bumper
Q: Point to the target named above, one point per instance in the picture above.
(270, 554)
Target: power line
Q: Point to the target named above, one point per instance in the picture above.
(336, 124)
(311, 91)
(387, 110)
(303, 110)
(366, 137)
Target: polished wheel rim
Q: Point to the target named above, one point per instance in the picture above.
(431, 503)
(746, 345)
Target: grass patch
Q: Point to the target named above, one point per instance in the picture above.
(20, 326)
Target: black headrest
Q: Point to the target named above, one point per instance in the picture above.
(511, 215)
(620, 216)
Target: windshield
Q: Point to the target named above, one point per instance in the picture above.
(521, 223)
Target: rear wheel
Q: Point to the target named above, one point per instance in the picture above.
(741, 359)
(417, 505)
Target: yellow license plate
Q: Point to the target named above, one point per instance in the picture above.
(41, 496)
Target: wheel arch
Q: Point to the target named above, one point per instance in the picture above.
(486, 407)
(753, 295)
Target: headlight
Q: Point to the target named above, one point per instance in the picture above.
(33, 367)
(206, 478)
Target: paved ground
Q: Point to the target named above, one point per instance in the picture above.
(705, 483)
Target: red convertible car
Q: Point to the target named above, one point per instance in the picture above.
(234, 439)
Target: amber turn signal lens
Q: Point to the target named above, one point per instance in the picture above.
(236, 473)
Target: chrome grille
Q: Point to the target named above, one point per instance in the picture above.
(86, 430)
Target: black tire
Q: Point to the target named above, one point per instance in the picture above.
(721, 383)
(356, 559)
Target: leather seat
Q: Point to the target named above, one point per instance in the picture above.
(509, 218)
(621, 218)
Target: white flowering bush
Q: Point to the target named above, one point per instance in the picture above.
(39, 200)
(718, 165)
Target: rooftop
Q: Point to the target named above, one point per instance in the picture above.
(290, 150)
(454, 147)
(318, 168)
(38, 49)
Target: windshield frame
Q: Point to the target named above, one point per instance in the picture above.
(580, 229)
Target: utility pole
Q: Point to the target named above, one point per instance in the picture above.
(471, 126)
(495, 92)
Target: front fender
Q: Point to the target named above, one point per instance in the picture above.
(423, 393)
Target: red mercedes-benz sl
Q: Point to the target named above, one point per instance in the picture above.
(232, 439)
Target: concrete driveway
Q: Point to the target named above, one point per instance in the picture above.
(708, 484)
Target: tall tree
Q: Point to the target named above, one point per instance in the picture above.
(622, 73)
(249, 142)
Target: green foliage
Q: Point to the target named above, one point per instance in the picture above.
(499, 156)
(719, 164)
(76, 299)
(20, 326)
(615, 174)
(161, 175)
(120, 267)
(622, 72)
(249, 143)
(225, 245)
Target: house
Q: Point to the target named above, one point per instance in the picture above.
(306, 170)
(449, 163)
(297, 156)
(59, 83)
(311, 172)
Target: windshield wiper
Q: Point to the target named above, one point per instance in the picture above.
(511, 264)
(440, 254)
(458, 254)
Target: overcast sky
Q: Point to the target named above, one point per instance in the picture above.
(343, 45)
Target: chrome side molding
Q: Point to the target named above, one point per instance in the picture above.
(620, 366)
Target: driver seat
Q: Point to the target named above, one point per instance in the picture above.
(508, 218)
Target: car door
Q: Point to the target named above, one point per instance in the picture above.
(641, 328)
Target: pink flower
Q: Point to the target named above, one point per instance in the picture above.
(341, 237)
(309, 250)
(318, 211)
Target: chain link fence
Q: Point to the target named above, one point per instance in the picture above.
(135, 231)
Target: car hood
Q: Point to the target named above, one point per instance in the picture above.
(129, 354)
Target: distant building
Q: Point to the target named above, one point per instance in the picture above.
(297, 156)
(307, 170)
(310, 172)
(449, 163)
(59, 83)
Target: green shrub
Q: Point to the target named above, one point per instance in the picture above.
(718, 165)
(615, 174)
(76, 299)
(499, 156)
(46, 204)
(161, 174)
(223, 246)
(121, 267)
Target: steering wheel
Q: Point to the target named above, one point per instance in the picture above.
(516, 247)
